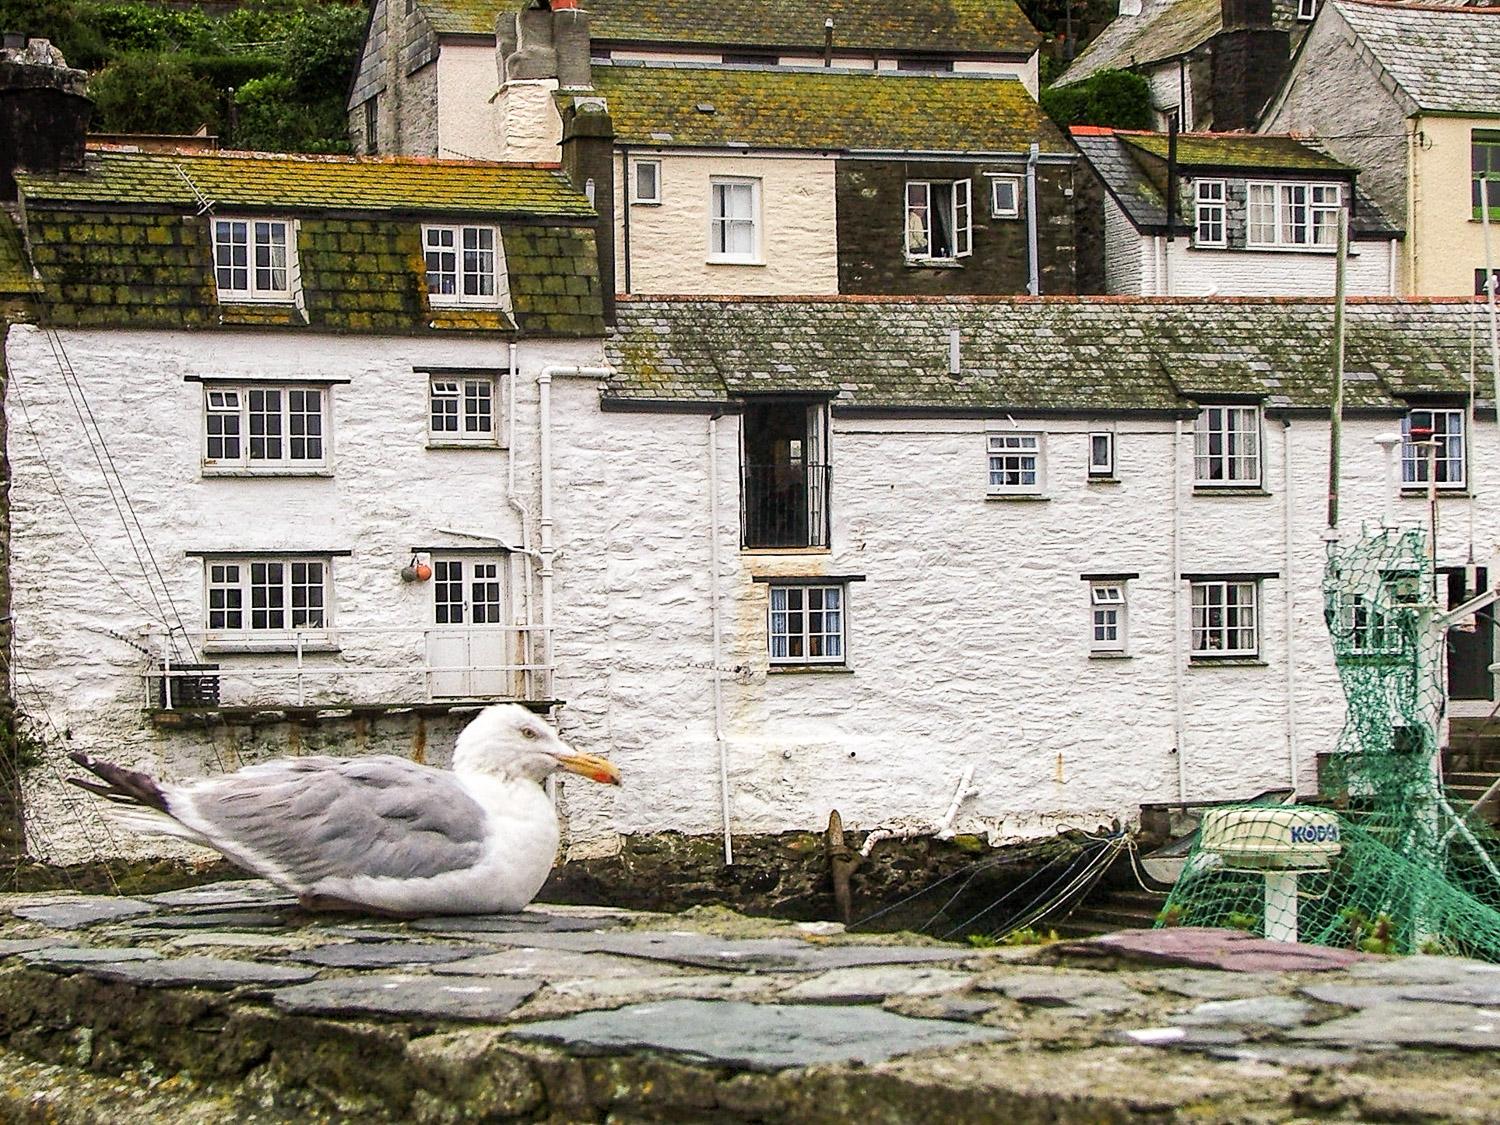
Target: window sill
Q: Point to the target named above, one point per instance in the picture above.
(809, 670)
(279, 300)
(1420, 493)
(1323, 251)
(462, 306)
(736, 261)
(1103, 480)
(487, 446)
(264, 647)
(215, 471)
(786, 550)
(934, 264)
(1227, 662)
(1111, 656)
(1017, 497)
(1229, 490)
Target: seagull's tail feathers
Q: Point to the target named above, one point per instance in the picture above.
(138, 802)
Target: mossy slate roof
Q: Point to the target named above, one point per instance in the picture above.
(908, 26)
(1027, 355)
(1163, 30)
(15, 273)
(1237, 150)
(299, 183)
(841, 110)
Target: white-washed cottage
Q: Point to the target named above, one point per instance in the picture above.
(1252, 215)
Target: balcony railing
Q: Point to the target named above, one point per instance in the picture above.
(784, 505)
(347, 668)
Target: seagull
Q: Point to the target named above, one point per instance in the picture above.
(377, 834)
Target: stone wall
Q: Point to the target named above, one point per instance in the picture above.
(872, 226)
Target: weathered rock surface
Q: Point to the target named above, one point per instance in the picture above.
(108, 1014)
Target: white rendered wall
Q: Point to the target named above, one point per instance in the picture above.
(467, 83)
(669, 241)
(967, 639)
(528, 126)
(387, 494)
(1129, 256)
(1193, 272)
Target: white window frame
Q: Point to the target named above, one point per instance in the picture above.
(1302, 215)
(251, 235)
(465, 394)
(999, 211)
(232, 412)
(918, 222)
(1307, 10)
(1101, 469)
(1109, 613)
(1017, 462)
(1211, 212)
(463, 268)
(636, 166)
(1217, 625)
(721, 224)
(239, 590)
(1236, 462)
(790, 619)
(1450, 426)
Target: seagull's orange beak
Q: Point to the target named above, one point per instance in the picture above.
(586, 765)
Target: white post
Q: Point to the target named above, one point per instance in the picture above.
(1388, 443)
(1281, 905)
(300, 694)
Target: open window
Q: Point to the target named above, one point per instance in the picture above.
(784, 474)
(939, 220)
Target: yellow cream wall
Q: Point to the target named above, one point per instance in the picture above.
(468, 82)
(1444, 242)
(669, 240)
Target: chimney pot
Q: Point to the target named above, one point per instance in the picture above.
(15, 41)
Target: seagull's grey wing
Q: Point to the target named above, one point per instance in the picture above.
(317, 818)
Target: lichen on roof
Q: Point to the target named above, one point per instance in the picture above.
(1020, 354)
(907, 27)
(1238, 150)
(1163, 30)
(823, 109)
(16, 280)
(276, 180)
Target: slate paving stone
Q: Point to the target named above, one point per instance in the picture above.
(201, 972)
(1208, 984)
(70, 958)
(953, 1008)
(243, 892)
(80, 913)
(1233, 951)
(527, 922)
(216, 920)
(872, 984)
(1257, 1011)
(354, 933)
(1316, 1058)
(1423, 969)
(383, 955)
(1096, 993)
(763, 954)
(16, 947)
(686, 986)
(764, 1037)
(1410, 1023)
(444, 998)
(552, 965)
(1182, 1038)
(1479, 991)
(214, 939)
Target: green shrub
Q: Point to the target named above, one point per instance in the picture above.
(271, 118)
(1114, 98)
(152, 93)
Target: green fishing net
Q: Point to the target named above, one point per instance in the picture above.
(1386, 861)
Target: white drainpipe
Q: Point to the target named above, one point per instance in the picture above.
(1179, 626)
(1293, 765)
(718, 631)
(546, 550)
(1034, 282)
(528, 547)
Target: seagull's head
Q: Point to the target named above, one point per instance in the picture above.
(509, 741)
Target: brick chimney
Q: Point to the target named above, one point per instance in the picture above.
(44, 114)
(1250, 59)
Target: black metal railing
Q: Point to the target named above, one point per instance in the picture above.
(784, 505)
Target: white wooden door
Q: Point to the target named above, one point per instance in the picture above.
(466, 646)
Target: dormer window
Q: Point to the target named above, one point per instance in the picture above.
(463, 265)
(1293, 216)
(254, 259)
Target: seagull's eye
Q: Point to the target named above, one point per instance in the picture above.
(528, 732)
